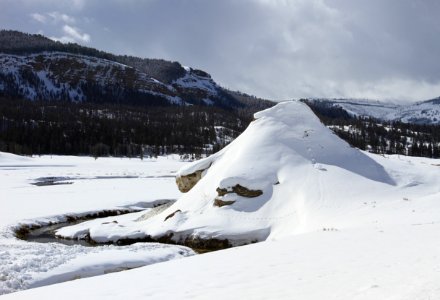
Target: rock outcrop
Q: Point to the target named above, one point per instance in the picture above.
(219, 202)
(240, 190)
(186, 182)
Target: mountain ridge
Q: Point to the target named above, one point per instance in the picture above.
(421, 112)
(37, 68)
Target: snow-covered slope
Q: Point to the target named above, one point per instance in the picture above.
(55, 75)
(74, 77)
(287, 173)
(35, 67)
(423, 112)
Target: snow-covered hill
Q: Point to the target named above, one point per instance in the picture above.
(286, 174)
(423, 112)
(37, 68)
(74, 77)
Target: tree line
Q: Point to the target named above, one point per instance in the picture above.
(57, 127)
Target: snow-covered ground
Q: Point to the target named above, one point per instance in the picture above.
(394, 263)
(339, 223)
(85, 185)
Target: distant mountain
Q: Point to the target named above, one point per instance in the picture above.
(383, 128)
(68, 99)
(36, 68)
(423, 112)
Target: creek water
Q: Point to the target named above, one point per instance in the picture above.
(46, 234)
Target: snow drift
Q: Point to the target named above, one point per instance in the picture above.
(287, 173)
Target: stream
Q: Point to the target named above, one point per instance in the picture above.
(46, 234)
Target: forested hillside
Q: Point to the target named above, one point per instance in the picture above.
(42, 127)
(60, 98)
(379, 136)
(34, 67)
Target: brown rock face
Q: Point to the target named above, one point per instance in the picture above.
(241, 191)
(187, 182)
(222, 192)
(237, 189)
(245, 192)
(172, 214)
(220, 203)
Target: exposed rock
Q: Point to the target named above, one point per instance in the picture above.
(205, 245)
(172, 214)
(186, 182)
(220, 203)
(222, 192)
(240, 190)
(196, 243)
(245, 192)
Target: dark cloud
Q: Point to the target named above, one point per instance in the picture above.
(272, 48)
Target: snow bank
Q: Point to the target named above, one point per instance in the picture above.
(9, 158)
(24, 266)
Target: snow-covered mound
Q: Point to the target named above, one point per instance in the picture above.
(287, 173)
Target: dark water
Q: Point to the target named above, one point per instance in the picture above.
(46, 234)
(45, 181)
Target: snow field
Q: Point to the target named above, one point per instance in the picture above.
(337, 223)
(102, 184)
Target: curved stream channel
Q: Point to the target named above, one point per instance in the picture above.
(51, 262)
(46, 233)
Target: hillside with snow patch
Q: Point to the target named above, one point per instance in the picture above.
(74, 77)
(422, 112)
(35, 67)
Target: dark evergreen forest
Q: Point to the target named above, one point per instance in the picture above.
(56, 127)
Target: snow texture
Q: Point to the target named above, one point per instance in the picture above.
(338, 223)
(94, 185)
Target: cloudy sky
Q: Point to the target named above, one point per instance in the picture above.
(278, 49)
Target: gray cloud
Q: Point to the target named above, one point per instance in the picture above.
(278, 49)
(72, 35)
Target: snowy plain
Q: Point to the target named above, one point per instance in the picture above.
(339, 223)
(83, 185)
